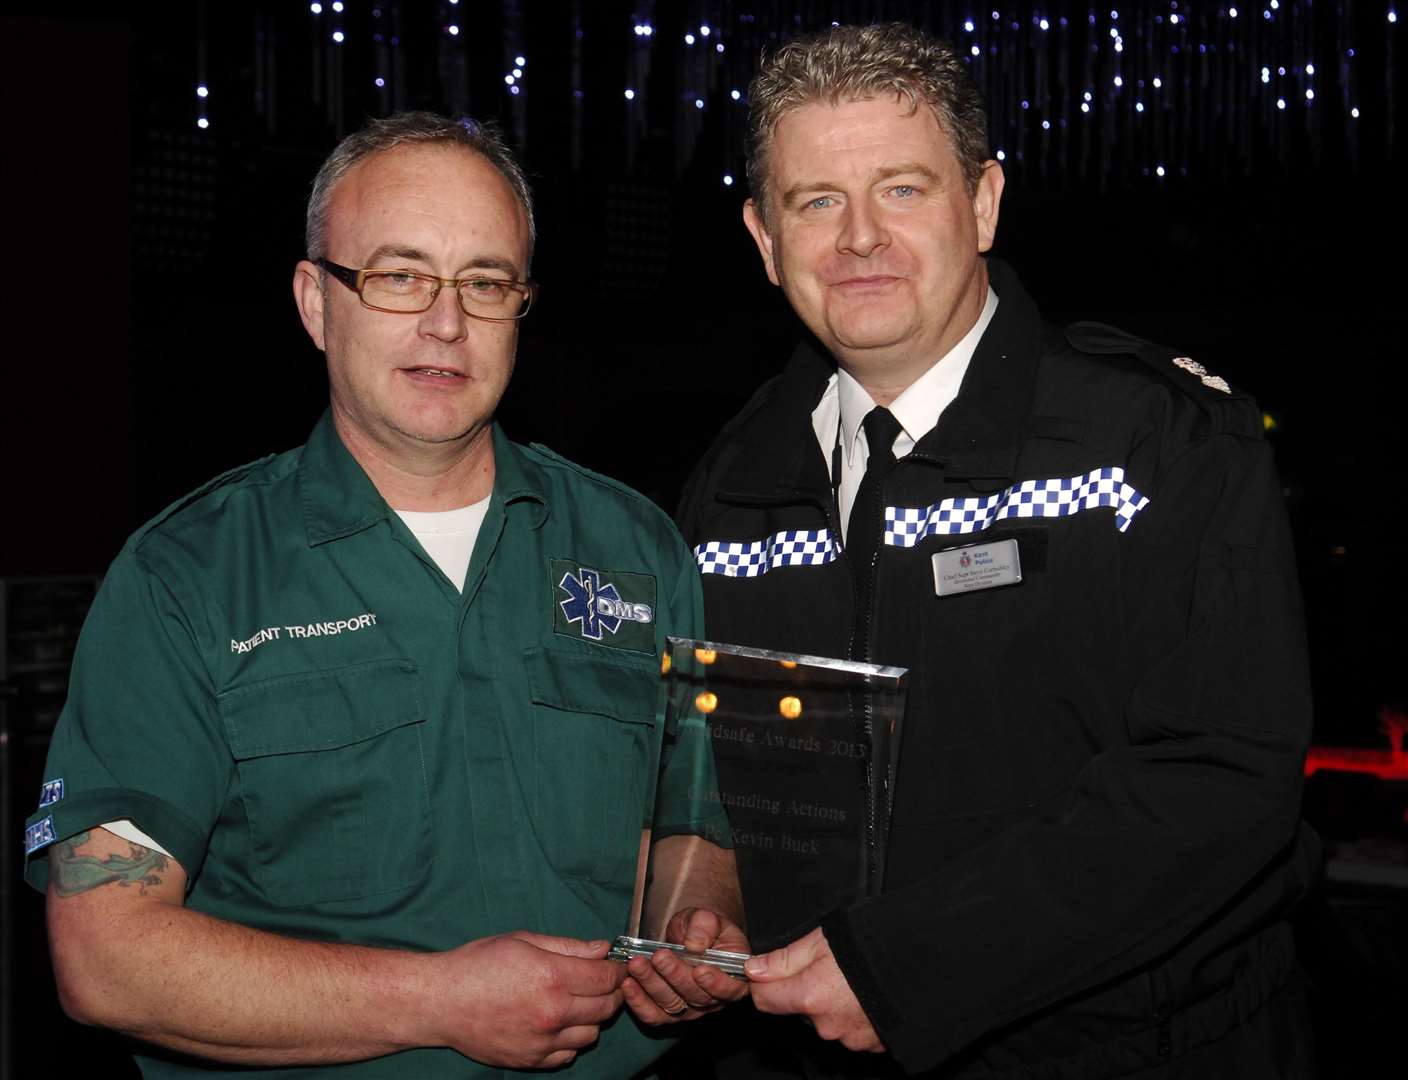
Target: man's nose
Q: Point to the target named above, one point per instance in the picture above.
(863, 231)
(445, 319)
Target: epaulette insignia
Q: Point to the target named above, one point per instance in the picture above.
(1216, 382)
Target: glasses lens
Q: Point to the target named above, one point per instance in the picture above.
(398, 290)
(494, 298)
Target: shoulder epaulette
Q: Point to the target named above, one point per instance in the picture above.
(591, 474)
(229, 476)
(1183, 371)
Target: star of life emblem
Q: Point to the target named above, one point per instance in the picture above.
(1192, 366)
(596, 605)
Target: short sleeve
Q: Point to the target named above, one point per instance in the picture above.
(139, 736)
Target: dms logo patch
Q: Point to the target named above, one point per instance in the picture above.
(51, 792)
(607, 607)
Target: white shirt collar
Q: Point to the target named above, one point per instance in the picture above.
(917, 408)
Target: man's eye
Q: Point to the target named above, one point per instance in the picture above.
(821, 202)
(399, 279)
(488, 286)
(904, 191)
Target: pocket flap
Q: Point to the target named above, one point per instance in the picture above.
(601, 683)
(320, 710)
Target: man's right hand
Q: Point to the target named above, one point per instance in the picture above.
(528, 1001)
(129, 955)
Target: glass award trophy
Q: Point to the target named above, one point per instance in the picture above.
(798, 772)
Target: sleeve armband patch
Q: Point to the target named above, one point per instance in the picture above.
(39, 835)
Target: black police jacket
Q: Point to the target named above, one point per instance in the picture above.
(1096, 826)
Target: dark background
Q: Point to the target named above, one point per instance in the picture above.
(153, 342)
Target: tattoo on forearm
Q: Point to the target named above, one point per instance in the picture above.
(74, 873)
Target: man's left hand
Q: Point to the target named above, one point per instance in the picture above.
(804, 979)
(663, 989)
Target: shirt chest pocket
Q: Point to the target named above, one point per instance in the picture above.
(595, 747)
(332, 774)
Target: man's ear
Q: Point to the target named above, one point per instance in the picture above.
(986, 198)
(308, 295)
(761, 237)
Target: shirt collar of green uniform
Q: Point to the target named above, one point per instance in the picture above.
(340, 500)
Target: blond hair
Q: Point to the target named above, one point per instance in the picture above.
(857, 63)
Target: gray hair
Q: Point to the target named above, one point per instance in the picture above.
(411, 128)
(857, 63)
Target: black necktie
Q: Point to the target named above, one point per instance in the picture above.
(867, 522)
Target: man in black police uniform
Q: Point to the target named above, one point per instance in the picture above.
(1076, 542)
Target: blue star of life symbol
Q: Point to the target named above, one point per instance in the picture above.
(581, 606)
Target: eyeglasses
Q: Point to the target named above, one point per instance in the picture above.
(406, 292)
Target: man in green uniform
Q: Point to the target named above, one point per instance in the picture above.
(352, 772)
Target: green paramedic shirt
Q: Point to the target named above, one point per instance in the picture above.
(278, 686)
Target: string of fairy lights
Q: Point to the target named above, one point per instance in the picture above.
(1155, 88)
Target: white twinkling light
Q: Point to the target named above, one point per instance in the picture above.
(728, 180)
(1158, 84)
(380, 81)
(1354, 113)
(1046, 125)
(699, 103)
(1044, 25)
(1265, 13)
(337, 6)
(1173, 19)
(453, 30)
(518, 73)
(976, 51)
(1280, 103)
(1089, 96)
(1026, 104)
(202, 123)
(1119, 81)
(1310, 69)
(520, 61)
(1266, 75)
(1281, 71)
(513, 89)
(1114, 14)
(968, 25)
(316, 9)
(1310, 95)
(996, 15)
(1232, 12)
(1139, 106)
(1119, 46)
(689, 39)
(1275, 5)
(1160, 170)
(339, 37)
(719, 47)
(1002, 155)
(508, 80)
(704, 30)
(1114, 33)
(1392, 15)
(202, 91)
(734, 94)
(630, 95)
(1085, 106)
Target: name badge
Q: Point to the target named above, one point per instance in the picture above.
(977, 566)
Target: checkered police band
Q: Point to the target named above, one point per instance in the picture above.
(751, 559)
(907, 526)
